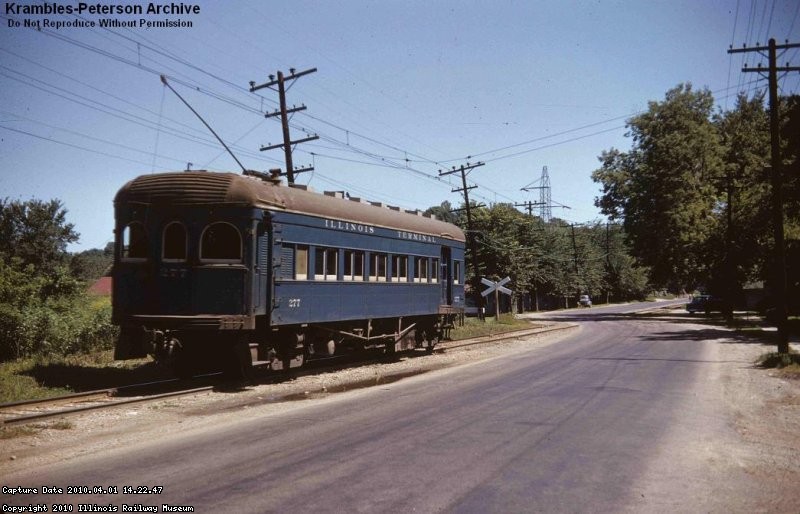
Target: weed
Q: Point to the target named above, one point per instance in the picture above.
(21, 431)
(54, 375)
(779, 360)
(473, 327)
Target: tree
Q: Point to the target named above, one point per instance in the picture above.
(739, 252)
(35, 232)
(43, 309)
(790, 130)
(624, 278)
(444, 212)
(92, 264)
(663, 189)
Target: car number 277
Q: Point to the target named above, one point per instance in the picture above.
(294, 302)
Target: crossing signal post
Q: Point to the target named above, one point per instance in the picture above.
(496, 288)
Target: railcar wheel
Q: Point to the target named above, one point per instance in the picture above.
(184, 362)
(238, 361)
(432, 342)
(188, 363)
(185, 366)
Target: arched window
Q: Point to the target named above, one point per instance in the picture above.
(173, 243)
(134, 241)
(221, 242)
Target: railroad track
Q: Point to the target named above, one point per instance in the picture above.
(30, 411)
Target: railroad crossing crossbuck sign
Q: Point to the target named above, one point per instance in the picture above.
(496, 287)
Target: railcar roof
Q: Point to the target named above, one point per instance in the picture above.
(212, 188)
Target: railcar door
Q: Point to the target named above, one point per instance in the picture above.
(446, 276)
(262, 267)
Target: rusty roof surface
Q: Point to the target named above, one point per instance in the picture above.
(203, 188)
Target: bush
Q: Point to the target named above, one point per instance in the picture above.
(42, 316)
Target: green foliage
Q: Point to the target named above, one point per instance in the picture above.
(475, 328)
(92, 264)
(49, 322)
(694, 192)
(43, 307)
(444, 212)
(740, 250)
(663, 189)
(35, 232)
(552, 261)
(790, 131)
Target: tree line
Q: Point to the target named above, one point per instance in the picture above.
(688, 208)
(551, 262)
(693, 192)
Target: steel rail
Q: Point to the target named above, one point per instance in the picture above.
(112, 391)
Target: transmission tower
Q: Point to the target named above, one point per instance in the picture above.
(545, 202)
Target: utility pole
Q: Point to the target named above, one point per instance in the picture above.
(575, 258)
(776, 176)
(609, 268)
(528, 206)
(284, 112)
(470, 233)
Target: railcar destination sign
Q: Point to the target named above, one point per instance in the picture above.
(370, 229)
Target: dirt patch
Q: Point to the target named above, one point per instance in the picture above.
(766, 410)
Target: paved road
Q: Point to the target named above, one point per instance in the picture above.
(576, 426)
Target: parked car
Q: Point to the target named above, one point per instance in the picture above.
(585, 300)
(705, 303)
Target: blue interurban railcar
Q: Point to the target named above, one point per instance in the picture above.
(227, 268)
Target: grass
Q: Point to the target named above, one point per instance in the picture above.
(12, 432)
(42, 377)
(473, 327)
(787, 363)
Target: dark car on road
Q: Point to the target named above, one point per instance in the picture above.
(705, 303)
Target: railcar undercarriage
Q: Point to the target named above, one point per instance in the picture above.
(235, 352)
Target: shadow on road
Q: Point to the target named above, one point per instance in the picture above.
(745, 329)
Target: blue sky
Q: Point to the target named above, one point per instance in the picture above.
(403, 89)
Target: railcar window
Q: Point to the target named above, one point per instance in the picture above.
(221, 242)
(377, 267)
(325, 263)
(456, 272)
(420, 269)
(400, 263)
(435, 270)
(173, 243)
(353, 265)
(301, 263)
(134, 242)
